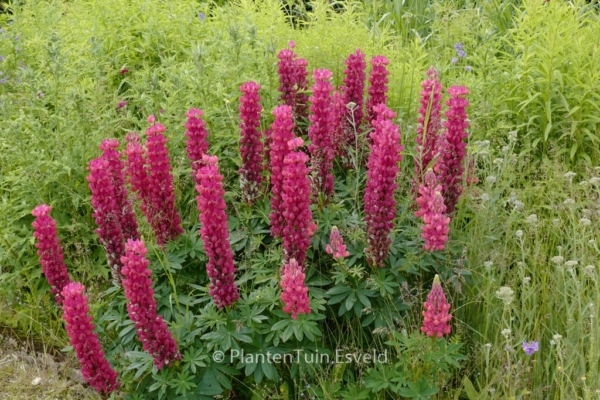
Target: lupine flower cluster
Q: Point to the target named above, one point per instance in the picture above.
(293, 81)
(50, 251)
(295, 292)
(353, 90)
(378, 80)
(196, 144)
(299, 226)
(435, 315)
(151, 329)
(321, 132)
(116, 167)
(429, 124)
(161, 197)
(112, 211)
(287, 69)
(433, 211)
(336, 245)
(78, 323)
(251, 148)
(302, 87)
(149, 172)
(449, 167)
(107, 213)
(383, 168)
(282, 131)
(215, 234)
(339, 110)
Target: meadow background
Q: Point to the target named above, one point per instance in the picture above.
(531, 224)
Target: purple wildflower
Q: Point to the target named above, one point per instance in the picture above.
(121, 105)
(531, 347)
(454, 60)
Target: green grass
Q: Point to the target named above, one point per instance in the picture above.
(534, 72)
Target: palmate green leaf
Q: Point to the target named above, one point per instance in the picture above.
(422, 390)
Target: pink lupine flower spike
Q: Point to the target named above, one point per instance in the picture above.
(435, 315)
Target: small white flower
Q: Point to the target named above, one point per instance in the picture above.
(498, 160)
(585, 222)
(557, 337)
(506, 294)
(557, 259)
(506, 333)
(519, 205)
(527, 280)
(595, 180)
(552, 343)
(485, 197)
(569, 202)
(583, 183)
(505, 149)
(570, 175)
(589, 270)
(571, 263)
(559, 248)
(519, 233)
(491, 179)
(532, 219)
(488, 265)
(487, 346)
(592, 242)
(555, 221)
(512, 136)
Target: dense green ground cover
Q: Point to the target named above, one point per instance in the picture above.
(535, 115)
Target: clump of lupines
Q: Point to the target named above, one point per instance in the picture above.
(95, 367)
(196, 144)
(435, 315)
(449, 167)
(50, 251)
(282, 131)
(116, 168)
(321, 131)
(151, 329)
(383, 168)
(378, 80)
(433, 211)
(160, 202)
(295, 292)
(215, 234)
(429, 124)
(251, 147)
(354, 89)
(107, 213)
(299, 226)
(336, 246)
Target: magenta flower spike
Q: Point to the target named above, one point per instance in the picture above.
(215, 233)
(336, 245)
(287, 69)
(251, 147)
(95, 367)
(165, 220)
(301, 102)
(429, 124)
(151, 329)
(50, 251)
(378, 80)
(107, 213)
(196, 144)
(295, 293)
(433, 211)
(137, 176)
(449, 167)
(340, 117)
(383, 168)
(435, 315)
(354, 93)
(299, 226)
(321, 132)
(116, 168)
(282, 131)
